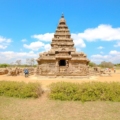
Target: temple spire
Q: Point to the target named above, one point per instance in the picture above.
(62, 37)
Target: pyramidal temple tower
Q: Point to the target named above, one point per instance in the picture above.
(62, 59)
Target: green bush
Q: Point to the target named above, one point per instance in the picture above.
(92, 64)
(91, 91)
(105, 64)
(4, 65)
(20, 89)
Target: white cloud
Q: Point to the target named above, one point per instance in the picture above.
(117, 45)
(23, 40)
(113, 56)
(3, 47)
(79, 43)
(34, 45)
(100, 47)
(4, 42)
(47, 37)
(3, 39)
(31, 52)
(47, 47)
(8, 40)
(114, 52)
(11, 56)
(102, 32)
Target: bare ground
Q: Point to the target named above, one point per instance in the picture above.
(45, 109)
(45, 81)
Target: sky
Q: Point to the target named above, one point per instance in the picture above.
(27, 28)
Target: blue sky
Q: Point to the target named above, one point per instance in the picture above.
(27, 27)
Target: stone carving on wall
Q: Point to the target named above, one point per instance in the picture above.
(46, 69)
(62, 54)
(79, 70)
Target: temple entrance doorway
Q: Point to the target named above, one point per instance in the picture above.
(62, 63)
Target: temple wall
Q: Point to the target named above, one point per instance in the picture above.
(47, 68)
(71, 68)
(78, 68)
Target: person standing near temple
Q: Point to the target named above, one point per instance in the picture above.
(26, 72)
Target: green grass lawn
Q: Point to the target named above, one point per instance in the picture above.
(45, 109)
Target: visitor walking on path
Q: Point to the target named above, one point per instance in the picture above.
(26, 72)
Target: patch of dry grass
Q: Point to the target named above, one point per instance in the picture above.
(45, 109)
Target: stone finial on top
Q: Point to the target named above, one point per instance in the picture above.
(62, 15)
(62, 19)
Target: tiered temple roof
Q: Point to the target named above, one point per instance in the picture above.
(62, 37)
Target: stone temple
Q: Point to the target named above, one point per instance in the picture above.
(62, 59)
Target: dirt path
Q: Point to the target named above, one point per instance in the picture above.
(45, 81)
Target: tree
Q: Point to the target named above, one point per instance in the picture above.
(30, 61)
(92, 64)
(18, 62)
(117, 65)
(106, 64)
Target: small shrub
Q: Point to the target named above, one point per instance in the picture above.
(20, 89)
(4, 65)
(91, 91)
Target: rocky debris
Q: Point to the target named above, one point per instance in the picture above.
(14, 71)
(99, 71)
(3, 71)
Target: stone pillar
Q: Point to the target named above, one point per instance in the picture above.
(57, 65)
